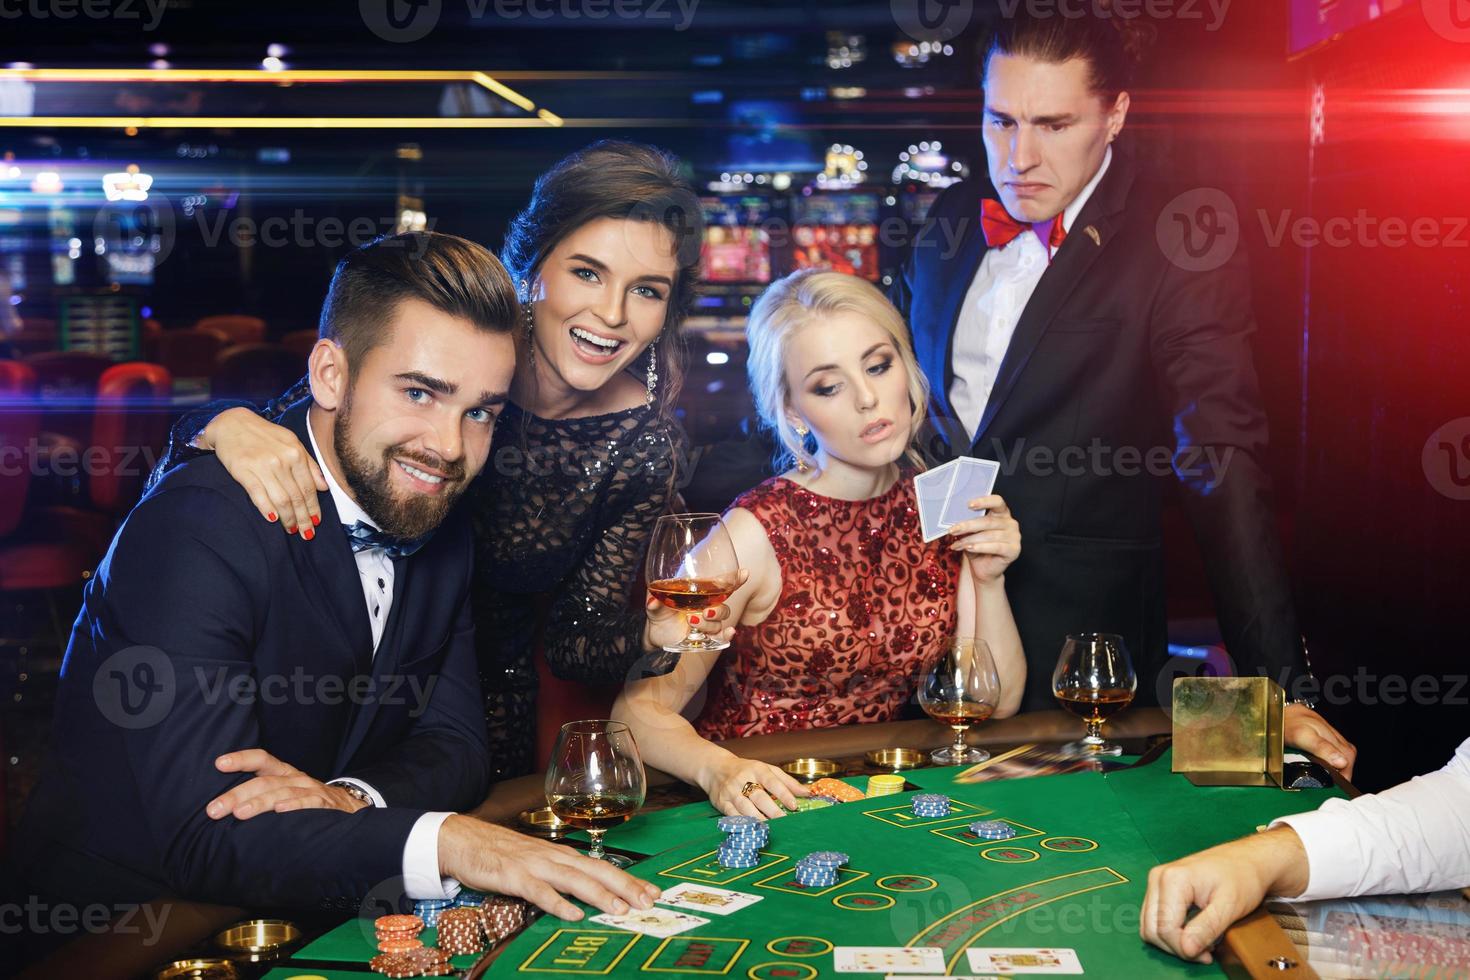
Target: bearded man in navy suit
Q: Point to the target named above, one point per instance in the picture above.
(248, 719)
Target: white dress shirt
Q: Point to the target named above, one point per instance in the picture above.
(1409, 839)
(421, 878)
(993, 306)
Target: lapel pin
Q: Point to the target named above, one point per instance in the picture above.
(1092, 233)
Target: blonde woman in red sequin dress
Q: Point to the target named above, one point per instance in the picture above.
(844, 607)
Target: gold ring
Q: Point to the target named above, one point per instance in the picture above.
(750, 787)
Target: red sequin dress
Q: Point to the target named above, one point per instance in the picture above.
(865, 608)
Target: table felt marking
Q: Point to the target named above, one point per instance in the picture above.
(904, 888)
(1061, 845)
(688, 944)
(845, 877)
(962, 834)
(859, 905)
(708, 868)
(1000, 855)
(992, 910)
(902, 816)
(754, 975)
(593, 947)
(796, 946)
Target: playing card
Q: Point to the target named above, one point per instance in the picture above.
(888, 959)
(706, 898)
(662, 923)
(932, 490)
(973, 478)
(1028, 960)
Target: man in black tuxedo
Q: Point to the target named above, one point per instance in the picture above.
(249, 719)
(1062, 340)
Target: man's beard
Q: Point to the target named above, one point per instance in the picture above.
(370, 484)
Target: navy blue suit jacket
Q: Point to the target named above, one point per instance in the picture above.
(207, 630)
(1122, 357)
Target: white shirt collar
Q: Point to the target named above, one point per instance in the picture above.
(1073, 209)
(347, 509)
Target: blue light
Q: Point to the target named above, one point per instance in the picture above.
(707, 97)
(146, 312)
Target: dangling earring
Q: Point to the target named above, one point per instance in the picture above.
(802, 466)
(530, 318)
(652, 369)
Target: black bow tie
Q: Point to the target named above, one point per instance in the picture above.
(363, 536)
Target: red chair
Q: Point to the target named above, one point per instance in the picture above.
(300, 343)
(239, 329)
(20, 421)
(189, 353)
(129, 431)
(255, 372)
(66, 383)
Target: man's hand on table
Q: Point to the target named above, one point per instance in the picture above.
(1304, 729)
(488, 858)
(1226, 883)
(276, 788)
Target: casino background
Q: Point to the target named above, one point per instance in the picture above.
(826, 121)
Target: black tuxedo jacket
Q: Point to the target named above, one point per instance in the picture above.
(207, 630)
(1125, 372)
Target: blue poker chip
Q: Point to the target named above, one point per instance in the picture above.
(816, 879)
(923, 799)
(826, 859)
(992, 829)
(755, 833)
(738, 861)
(931, 809)
(737, 821)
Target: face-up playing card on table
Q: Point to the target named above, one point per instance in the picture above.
(1027, 960)
(661, 923)
(932, 490)
(706, 898)
(973, 478)
(907, 960)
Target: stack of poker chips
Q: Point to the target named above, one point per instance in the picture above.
(398, 933)
(836, 790)
(429, 909)
(469, 898)
(459, 932)
(501, 916)
(419, 962)
(885, 784)
(744, 837)
(819, 869)
(931, 805)
(992, 829)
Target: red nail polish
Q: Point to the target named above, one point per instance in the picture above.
(694, 620)
(710, 613)
(308, 534)
(316, 519)
(271, 517)
(291, 529)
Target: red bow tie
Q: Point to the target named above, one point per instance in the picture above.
(1001, 229)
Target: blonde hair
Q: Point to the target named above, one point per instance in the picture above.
(793, 302)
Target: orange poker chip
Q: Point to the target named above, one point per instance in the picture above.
(399, 923)
(394, 965)
(837, 789)
(399, 944)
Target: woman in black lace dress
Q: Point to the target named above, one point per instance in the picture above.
(584, 458)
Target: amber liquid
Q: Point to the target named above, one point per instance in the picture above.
(589, 811)
(957, 713)
(1095, 704)
(690, 594)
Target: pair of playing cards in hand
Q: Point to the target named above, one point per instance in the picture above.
(945, 493)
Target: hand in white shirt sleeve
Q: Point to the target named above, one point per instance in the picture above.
(421, 879)
(1412, 838)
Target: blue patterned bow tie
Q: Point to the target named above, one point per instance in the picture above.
(363, 536)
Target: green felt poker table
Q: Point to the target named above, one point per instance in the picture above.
(1073, 876)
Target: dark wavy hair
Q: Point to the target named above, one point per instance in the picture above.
(616, 179)
(1112, 45)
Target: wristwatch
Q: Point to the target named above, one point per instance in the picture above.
(352, 790)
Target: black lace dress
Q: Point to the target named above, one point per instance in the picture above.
(562, 513)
